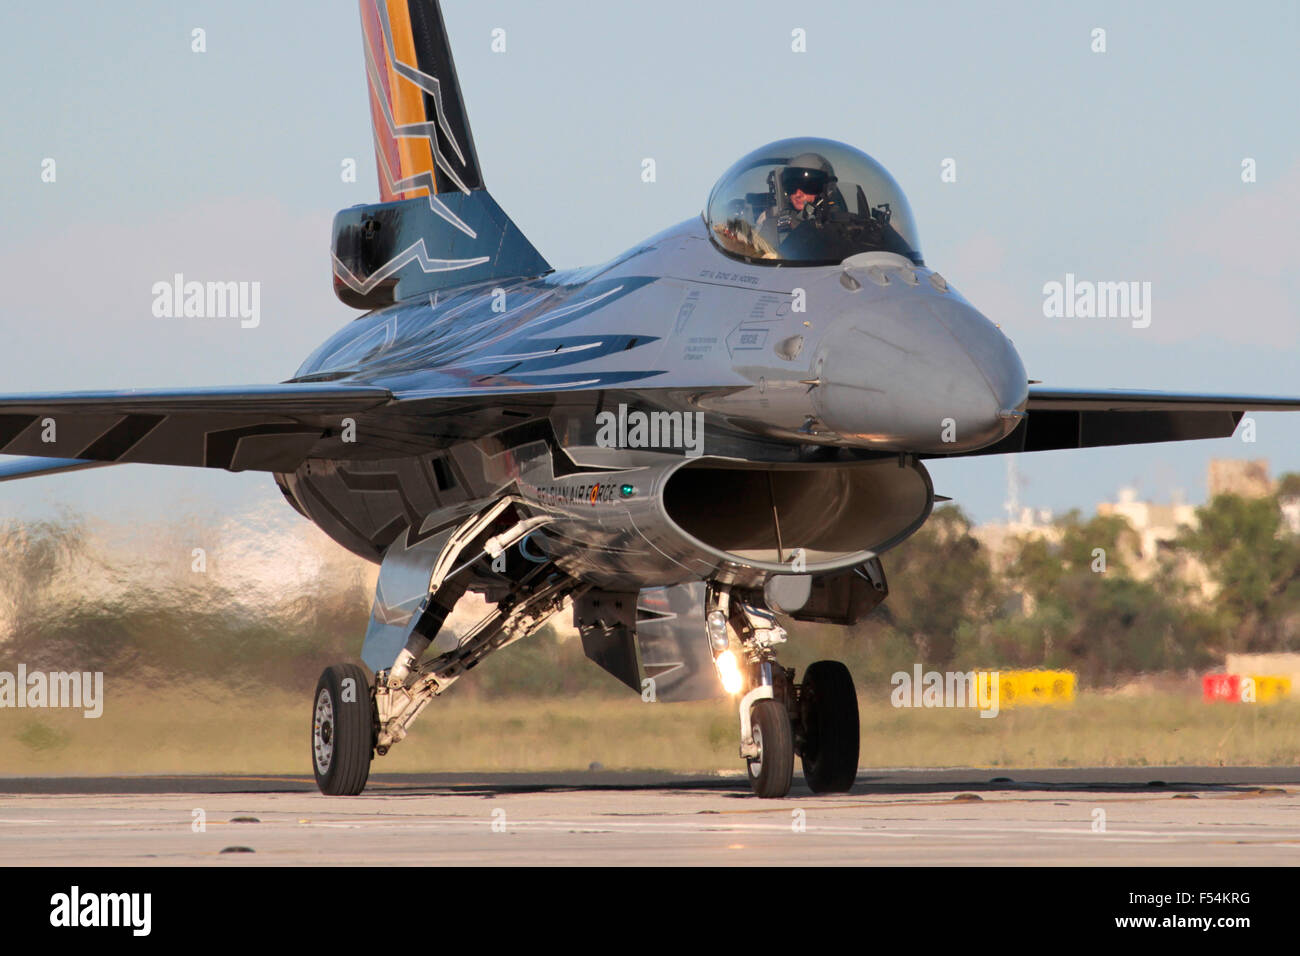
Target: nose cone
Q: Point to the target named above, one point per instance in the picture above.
(919, 373)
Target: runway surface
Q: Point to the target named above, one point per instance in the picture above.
(1130, 816)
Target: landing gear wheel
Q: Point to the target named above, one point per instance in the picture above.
(828, 711)
(342, 730)
(771, 771)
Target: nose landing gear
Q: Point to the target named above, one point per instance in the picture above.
(828, 721)
(771, 769)
(818, 719)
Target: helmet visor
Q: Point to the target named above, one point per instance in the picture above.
(810, 181)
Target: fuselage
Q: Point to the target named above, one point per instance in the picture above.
(796, 367)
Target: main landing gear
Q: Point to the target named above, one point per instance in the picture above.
(354, 720)
(818, 719)
(343, 730)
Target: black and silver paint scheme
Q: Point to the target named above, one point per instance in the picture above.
(823, 361)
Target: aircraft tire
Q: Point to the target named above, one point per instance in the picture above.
(828, 711)
(771, 771)
(342, 730)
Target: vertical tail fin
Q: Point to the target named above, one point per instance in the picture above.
(423, 144)
(436, 227)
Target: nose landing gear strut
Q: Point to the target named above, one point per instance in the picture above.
(817, 719)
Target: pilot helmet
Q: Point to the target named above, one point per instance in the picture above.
(808, 172)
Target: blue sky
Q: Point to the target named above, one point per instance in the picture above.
(1122, 165)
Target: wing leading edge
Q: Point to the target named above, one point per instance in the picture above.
(277, 427)
(1058, 418)
(264, 428)
(39, 467)
(1140, 400)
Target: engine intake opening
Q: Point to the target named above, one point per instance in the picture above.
(831, 512)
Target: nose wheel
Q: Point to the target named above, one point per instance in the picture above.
(828, 721)
(772, 768)
(818, 720)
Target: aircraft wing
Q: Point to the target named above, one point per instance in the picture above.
(276, 427)
(1091, 418)
(262, 427)
(37, 467)
(1144, 400)
(266, 427)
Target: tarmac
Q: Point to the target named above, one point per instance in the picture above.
(1233, 816)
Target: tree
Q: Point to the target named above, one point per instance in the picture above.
(942, 590)
(1087, 610)
(1255, 565)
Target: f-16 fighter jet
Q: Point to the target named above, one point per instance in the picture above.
(726, 422)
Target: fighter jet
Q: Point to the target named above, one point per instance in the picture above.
(725, 423)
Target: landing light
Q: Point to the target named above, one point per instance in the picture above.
(717, 624)
(729, 672)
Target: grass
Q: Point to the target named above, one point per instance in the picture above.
(206, 729)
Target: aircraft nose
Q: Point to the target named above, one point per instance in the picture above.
(922, 374)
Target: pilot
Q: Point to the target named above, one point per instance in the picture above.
(807, 182)
(806, 179)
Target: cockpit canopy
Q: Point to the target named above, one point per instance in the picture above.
(809, 201)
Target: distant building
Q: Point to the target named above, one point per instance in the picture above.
(1290, 507)
(1248, 479)
(1251, 479)
(997, 538)
(1156, 525)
